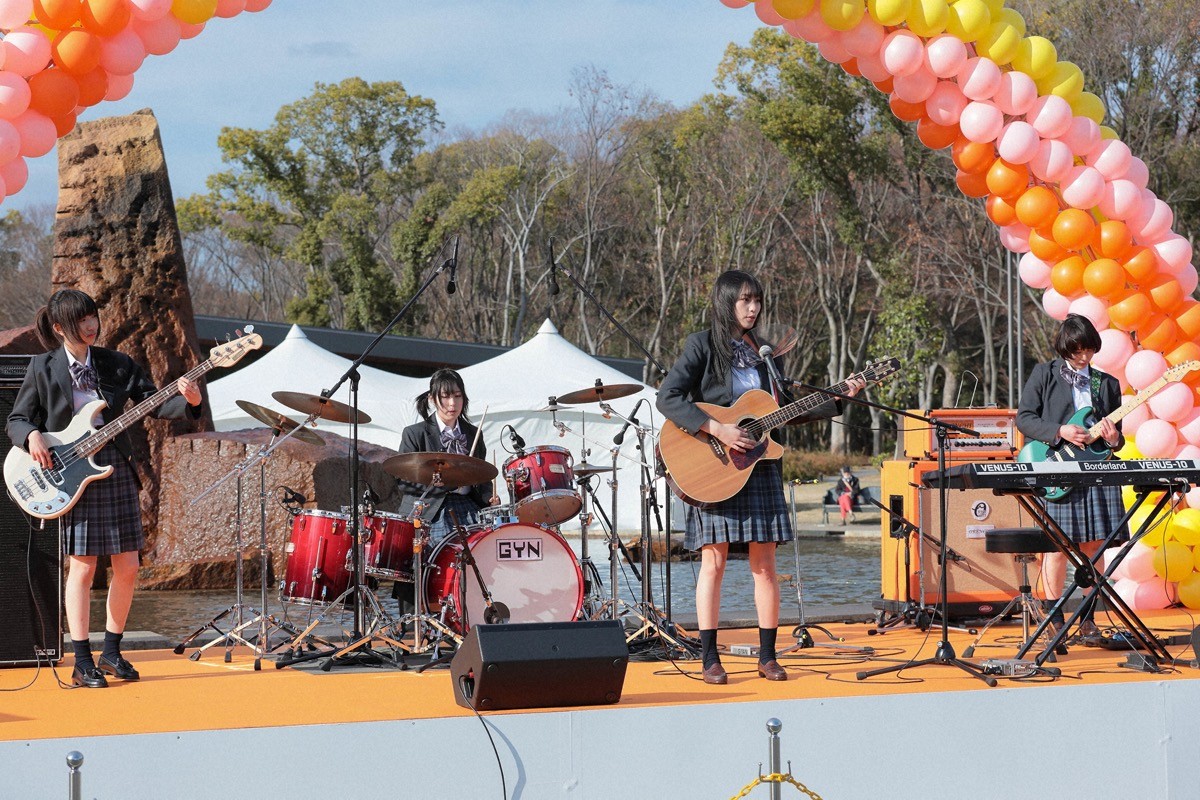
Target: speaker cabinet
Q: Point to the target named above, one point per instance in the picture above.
(30, 561)
(978, 583)
(540, 664)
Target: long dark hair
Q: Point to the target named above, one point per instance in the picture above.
(444, 381)
(66, 308)
(725, 293)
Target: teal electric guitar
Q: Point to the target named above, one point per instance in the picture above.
(1096, 449)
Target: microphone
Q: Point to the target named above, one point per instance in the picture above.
(553, 268)
(764, 353)
(515, 438)
(620, 437)
(452, 286)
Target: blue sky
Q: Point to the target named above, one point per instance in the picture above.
(476, 59)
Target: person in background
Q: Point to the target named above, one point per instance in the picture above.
(847, 492)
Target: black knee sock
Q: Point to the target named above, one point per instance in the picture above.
(112, 646)
(766, 644)
(83, 654)
(708, 647)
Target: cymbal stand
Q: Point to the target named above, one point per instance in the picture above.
(593, 587)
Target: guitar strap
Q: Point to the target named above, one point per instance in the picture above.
(1096, 376)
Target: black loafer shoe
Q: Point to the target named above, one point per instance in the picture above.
(91, 678)
(715, 675)
(120, 668)
(772, 671)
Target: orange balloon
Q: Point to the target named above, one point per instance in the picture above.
(1187, 317)
(850, 67)
(1067, 276)
(973, 156)
(1045, 248)
(971, 184)
(934, 136)
(1112, 239)
(53, 93)
(1129, 310)
(57, 14)
(909, 112)
(105, 17)
(1165, 292)
(1187, 351)
(1159, 333)
(1073, 228)
(1103, 278)
(64, 123)
(1007, 180)
(887, 85)
(1140, 263)
(92, 87)
(1037, 206)
(76, 51)
(1000, 211)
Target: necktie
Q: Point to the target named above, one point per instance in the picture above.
(453, 441)
(83, 377)
(1074, 379)
(744, 355)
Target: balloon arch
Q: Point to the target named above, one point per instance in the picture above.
(1065, 192)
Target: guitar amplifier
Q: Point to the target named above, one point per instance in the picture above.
(998, 435)
(30, 562)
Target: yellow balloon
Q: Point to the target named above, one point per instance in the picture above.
(1173, 561)
(888, 12)
(1000, 43)
(994, 7)
(1035, 57)
(969, 20)
(194, 12)
(1065, 80)
(1012, 17)
(793, 9)
(1090, 106)
(1196, 557)
(1185, 528)
(1156, 535)
(928, 18)
(1108, 133)
(1130, 451)
(842, 15)
(1189, 590)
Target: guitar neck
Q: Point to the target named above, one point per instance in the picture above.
(1125, 408)
(802, 406)
(94, 443)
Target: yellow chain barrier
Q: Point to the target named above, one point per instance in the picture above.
(776, 777)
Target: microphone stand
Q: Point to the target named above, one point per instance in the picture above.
(944, 655)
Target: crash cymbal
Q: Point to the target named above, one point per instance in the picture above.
(279, 423)
(600, 392)
(323, 407)
(455, 470)
(583, 469)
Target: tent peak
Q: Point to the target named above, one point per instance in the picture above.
(295, 332)
(548, 327)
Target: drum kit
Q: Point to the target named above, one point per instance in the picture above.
(513, 565)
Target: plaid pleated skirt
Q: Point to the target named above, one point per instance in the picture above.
(108, 517)
(1089, 514)
(758, 513)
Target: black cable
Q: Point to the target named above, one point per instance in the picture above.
(495, 751)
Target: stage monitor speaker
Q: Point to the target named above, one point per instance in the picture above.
(30, 561)
(540, 665)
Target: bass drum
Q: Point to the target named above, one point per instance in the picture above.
(529, 568)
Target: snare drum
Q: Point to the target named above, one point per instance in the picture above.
(529, 568)
(541, 485)
(388, 546)
(317, 553)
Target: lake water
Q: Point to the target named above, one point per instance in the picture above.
(832, 570)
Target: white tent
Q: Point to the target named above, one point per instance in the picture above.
(298, 365)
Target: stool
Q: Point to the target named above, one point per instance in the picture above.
(1024, 544)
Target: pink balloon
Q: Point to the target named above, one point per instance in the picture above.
(1035, 273)
(1175, 252)
(26, 51)
(1111, 157)
(1154, 594)
(1189, 430)
(979, 78)
(1052, 162)
(871, 67)
(1083, 187)
(1193, 497)
(1144, 368)
(1134, 419)
(1139, 563)
(1081, 136)
(1188, 279)
(1018, 142)
(1055, 305)
(118, 86)
(915, 87)
(230, 8)
(865, 38)
(159, 36)
(14, 174)
(810, 28)
(1188, 451)
(122, 54)
(37, 132)
(1115, 350)
(1015, 237)
(944, 55)
(1120, 200)
(1138, 173)
(149, 9)
(187, 31)
(257, 5)
(14, 94)
(832, 49)
(1154, 218)
(903, 52)
(1051, 115)
(980, 121)
(767, 13)
(1126, 589)
(1016, 94)
(1093, 308)
(15, 13)
(1156, 438)
(736, 3)
(10, 141)
(946, 104)
(1172, 402)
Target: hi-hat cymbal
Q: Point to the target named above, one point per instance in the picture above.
(323, 407)
(455, 470)
(279, 423)
(583, 469)
(600, 392)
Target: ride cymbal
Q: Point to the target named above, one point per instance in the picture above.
(323, 407)
(279, 423)
(599, 392)
(455, 470)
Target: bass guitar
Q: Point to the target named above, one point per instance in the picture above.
(50, 493)
(1096, 449)
(702, 470)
